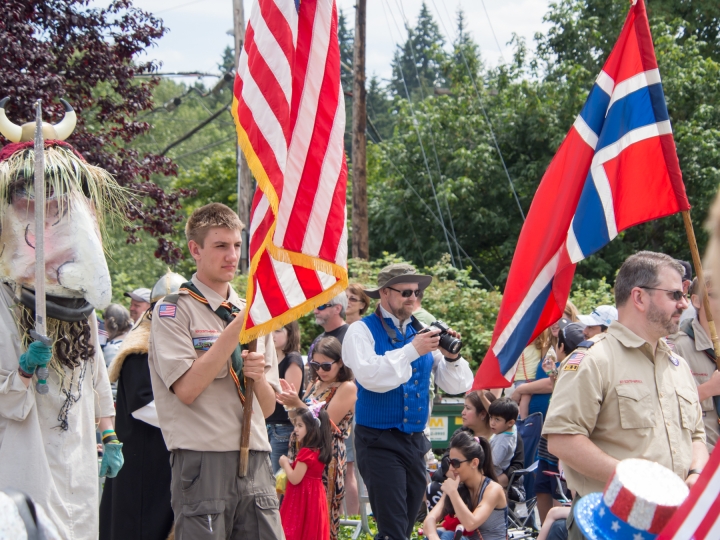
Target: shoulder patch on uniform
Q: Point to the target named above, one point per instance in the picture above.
(167, 310)
(573, 362)
(675, 359)
(586, 344)
(171, 298)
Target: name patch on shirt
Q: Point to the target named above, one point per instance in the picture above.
(573, 362)
(167, 310)
(204, 343)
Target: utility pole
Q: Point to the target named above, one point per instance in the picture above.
(360, 237)
(246, 184)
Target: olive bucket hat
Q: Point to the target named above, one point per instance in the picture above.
(398, 273)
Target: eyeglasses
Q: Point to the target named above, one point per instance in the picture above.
(327, 366)
(324, 306)
(407, 293)
(353, 299)
(455, 462)
(676, 295)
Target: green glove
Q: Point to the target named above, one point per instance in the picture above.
(37, 355)
(112, 460)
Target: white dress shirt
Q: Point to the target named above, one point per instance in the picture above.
(382, 373)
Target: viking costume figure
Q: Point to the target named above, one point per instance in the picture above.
(48, 444)
(136, 503)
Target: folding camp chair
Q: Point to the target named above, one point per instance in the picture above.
(530, 429)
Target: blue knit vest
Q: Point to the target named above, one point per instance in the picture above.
(406, 407)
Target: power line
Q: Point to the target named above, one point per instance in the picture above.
(487, 118)
(422, 148)
(178, 7)
(194, 130)
(491, 28)
(206, 147)
(432, 136)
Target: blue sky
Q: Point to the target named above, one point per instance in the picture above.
(198, 28)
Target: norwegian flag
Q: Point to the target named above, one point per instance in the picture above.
(699, 516)
(290, 117)
(616, 168)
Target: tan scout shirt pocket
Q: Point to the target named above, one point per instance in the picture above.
(687, 399)
(636, 407)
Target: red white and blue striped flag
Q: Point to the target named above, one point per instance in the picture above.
(290, 116)
(698, 518)
(616, 168)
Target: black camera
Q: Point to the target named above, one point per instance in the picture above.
(450, 343)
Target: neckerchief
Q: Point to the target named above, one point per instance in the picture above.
(227, 312)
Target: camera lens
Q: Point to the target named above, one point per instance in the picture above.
(450, 344)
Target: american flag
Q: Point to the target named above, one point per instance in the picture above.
(699, 516)
(290, 116)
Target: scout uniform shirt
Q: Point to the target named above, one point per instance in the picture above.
(628, 402)
(702, 368)
(181, 333)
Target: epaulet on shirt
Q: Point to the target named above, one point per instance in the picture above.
(173, 298)
(585, 344)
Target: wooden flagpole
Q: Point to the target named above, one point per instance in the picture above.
(247, 419)
(701, 280)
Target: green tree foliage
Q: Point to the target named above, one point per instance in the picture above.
(418, 62)
(531, 102)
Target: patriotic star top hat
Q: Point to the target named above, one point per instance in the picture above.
(638, 501)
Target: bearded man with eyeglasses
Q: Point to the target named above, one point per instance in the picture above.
(625, 393)
(393, 359)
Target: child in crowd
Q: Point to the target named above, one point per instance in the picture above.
(503, 413)
(304, 511)
(473, 504)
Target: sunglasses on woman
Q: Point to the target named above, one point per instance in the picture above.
(326, 366)
(455, 462)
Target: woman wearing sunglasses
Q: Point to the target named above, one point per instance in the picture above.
(472, 498)
(334, 384)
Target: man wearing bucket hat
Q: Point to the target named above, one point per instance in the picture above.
(393, 357)
(625, 394)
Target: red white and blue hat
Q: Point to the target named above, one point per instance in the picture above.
(638, 501)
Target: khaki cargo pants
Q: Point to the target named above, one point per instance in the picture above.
(211, 502)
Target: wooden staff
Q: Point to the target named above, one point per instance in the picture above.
(247, 419)
(701, 280)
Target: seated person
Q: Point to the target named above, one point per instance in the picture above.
(503, 413)
(471, 496)
(434, 488)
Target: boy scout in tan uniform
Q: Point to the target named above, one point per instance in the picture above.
(695, 346)
(201, 413)
(620, 396)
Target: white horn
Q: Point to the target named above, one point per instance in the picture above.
(11, 131)
(65, 127)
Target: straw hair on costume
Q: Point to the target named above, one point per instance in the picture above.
(68, 175)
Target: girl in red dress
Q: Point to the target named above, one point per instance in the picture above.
(304, 510)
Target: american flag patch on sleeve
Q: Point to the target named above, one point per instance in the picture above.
(167, 310)
(573, 363)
